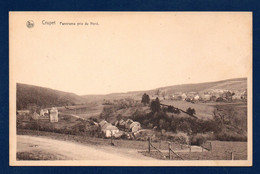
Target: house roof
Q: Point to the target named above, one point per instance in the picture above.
(110, 127)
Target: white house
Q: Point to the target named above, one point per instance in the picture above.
(54, 115)
(43, 112)
(109, 130)
(35, 116)
(197, 97)
(135, 124)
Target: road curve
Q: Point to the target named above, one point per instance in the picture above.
(67, 150)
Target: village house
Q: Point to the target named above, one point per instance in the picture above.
(109, 130)
(54, 114)
(196, 97)
(205, 97)
(102, 123)
(35, 116)
(44, 112)
(135, 126)
(184, 96)
(23, 112)
(128, 123)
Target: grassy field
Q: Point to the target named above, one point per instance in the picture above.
(85, 111)
(220, 150)
(36, 155)
(203, 111)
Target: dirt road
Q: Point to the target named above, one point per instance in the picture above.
(66, 150)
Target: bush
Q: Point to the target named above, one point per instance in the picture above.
(198, 139)
(224, 136)
(180, 137)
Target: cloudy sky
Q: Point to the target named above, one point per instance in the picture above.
(128, 51)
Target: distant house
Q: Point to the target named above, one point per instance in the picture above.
(183, 96)
(54, 114)
(196, 97)
(35, 116)
(23, 112)
(206, 97)
(43, 112)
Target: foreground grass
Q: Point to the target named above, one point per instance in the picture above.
(221, 150)
(36, 155)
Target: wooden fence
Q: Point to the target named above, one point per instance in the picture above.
(170, 150)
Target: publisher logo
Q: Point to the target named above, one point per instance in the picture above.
(30, 24)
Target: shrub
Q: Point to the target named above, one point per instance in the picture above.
(180, 137)
(191, 111)
(224, 136)
(145, 99)
(198, 139)
(155, 105)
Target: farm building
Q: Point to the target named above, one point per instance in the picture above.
(35, 116)
(102, 123)
(105, 125)
(128, 123)
(23, 112)
(43, 112)
(196, 97)
(54, 114)
(135, 126)
(109, 130)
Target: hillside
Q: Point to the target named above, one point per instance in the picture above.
(44, 97)
(237, 84)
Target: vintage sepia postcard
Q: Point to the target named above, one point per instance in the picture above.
(130, 88)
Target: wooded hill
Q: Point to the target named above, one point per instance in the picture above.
(44, 97)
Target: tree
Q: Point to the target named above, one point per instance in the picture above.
(107, 112)
(191, 111)
(155, 105)
(145, 99)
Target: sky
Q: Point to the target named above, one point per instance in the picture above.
(128, 51)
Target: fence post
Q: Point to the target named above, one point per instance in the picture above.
(169, 144)
(232, 156)
(210, 147)
(37, 126)
(149, 144)
(190, 148)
